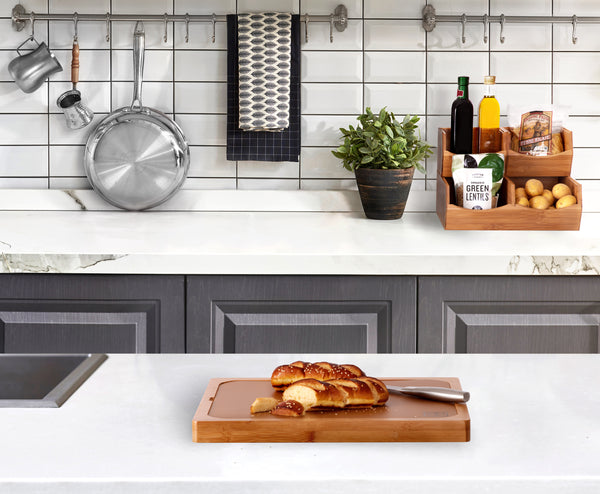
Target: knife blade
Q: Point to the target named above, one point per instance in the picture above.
(432, 393)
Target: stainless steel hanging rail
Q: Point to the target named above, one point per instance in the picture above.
(20, 17)
(430, 19)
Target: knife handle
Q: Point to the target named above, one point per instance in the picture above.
(438, 394)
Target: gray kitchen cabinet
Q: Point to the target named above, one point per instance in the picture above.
(42, 313)
(485, 314)
(301, 314)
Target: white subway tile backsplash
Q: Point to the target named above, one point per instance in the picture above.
(576, 67)
(12, 99)
(331, 98)
(394, 35)
(521, 67)
(23, 129)
(94, 65)
(393, 8)
(200, 97)
(201, 66)
(580, 99)
(518, 7)
(447, 66)
(158, 65)
(323, 130)
(385, 59)
(67, 161)
(332, 66)
(204, 130)
(267, 169)
(210, 162)
(157, 95)
(398, 98)
(320, 163)
(23, 161)
(318, 37)
(394, 67)
(266, 184)
(522, 37)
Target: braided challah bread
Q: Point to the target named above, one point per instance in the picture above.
(313, 394)
(284, 375)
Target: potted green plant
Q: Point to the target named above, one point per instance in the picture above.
(383, 153)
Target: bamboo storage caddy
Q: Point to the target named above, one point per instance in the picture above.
(518, 169)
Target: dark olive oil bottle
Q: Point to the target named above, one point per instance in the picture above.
(461, 120)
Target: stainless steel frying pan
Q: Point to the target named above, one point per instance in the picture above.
(137, 157)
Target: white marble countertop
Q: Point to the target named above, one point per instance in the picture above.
(535, 428)
(315, 233)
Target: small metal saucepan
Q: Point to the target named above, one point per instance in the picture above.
(137, 157)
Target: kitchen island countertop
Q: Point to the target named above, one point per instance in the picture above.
(286, 243)
(535, 428)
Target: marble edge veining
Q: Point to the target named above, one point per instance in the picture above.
(298, 264)
(53, 263)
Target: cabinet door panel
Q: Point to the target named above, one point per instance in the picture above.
(509, 314)
(301, 314)
(91, 314)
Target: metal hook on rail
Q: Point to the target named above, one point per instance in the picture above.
(574, 36)
(32, 20)
(306, 21)
(502, 28)
(75, 22)
(331, 24)
(486, 24)
(187, 27)
(107, 27)
(214, 27)
(166, 36)
(463, 21)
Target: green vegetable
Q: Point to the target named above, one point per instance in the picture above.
(496, 163)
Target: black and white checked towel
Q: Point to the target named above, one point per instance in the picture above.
(262, 145)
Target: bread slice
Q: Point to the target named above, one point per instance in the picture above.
(263, 405)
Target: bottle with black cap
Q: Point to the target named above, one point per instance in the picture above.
(461, 123)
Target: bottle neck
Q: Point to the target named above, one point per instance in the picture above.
(463, 92)
(489, 90)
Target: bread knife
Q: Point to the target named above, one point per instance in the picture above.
(431, 393)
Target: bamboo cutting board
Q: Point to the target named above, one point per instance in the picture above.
(224, 416)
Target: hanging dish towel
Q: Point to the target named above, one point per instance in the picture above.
(271, 145)
(265, 54)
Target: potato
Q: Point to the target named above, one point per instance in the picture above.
(534, 187)
(539, 202)
(520, 192)
(548, 195)
(522, 201)
(566, 201)
(560, 190)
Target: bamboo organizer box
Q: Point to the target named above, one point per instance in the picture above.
(518, 168)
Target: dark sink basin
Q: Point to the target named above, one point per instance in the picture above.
(43, 381)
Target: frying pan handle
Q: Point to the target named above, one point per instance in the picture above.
(139, 41)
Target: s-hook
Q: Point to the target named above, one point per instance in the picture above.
(107, 27)
(502, 28)
(187, 27)
(463, 21)
(331, 24)
(486, 23)
(214, 27)
(306, 21)
(165, 36)
(32, 20)
(574, 36)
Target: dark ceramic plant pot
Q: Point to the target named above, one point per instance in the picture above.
(383, 193)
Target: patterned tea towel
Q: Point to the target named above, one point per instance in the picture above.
(276, 143)
(264, 59)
